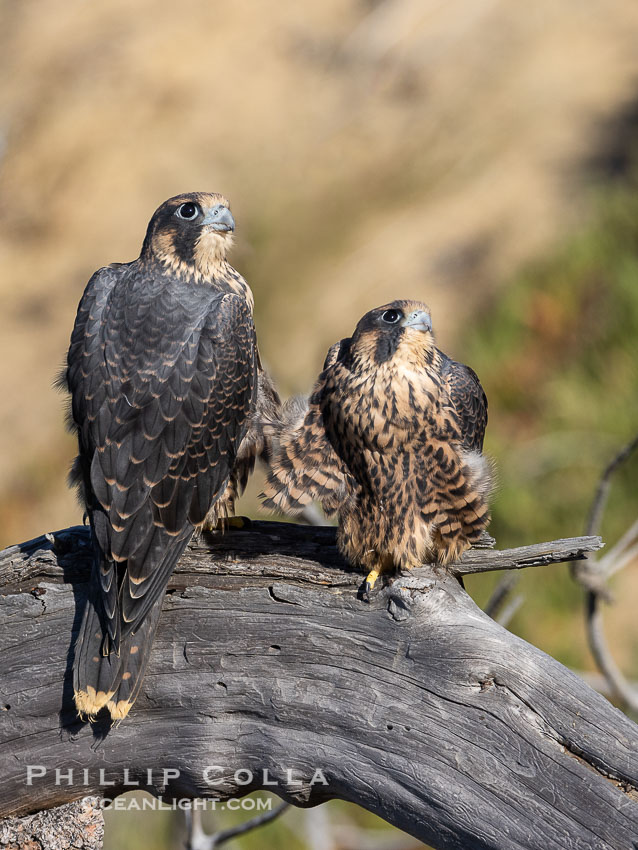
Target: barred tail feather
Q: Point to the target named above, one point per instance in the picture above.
(101, 677)
(303, 465)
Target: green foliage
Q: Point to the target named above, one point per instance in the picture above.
(557, 353)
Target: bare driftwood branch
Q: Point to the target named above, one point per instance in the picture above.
(417, 707)
(270, 550)
(536, 555)
(592, 574)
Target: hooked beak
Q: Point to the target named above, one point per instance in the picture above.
(220, 218)
(418, 320)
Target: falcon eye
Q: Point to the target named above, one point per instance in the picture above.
(187, 211)
(391, 317)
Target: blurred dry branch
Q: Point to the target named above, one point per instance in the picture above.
(499, 596)
(321, 832)
(599, 683)
(197, 839)
(593, 573)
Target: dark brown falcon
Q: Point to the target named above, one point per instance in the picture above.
(167, 394)
(391, 439)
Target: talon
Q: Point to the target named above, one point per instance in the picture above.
(371, 579)
(368, 584)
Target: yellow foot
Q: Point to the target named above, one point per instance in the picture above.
(232, 522)
(368, 584)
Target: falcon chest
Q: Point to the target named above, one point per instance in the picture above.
(386, 406)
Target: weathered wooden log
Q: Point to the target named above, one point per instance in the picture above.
(268, 671)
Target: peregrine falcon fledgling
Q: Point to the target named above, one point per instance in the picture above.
(167, 394)
(391, 439)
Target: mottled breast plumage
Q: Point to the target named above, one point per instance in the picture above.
(389, 440)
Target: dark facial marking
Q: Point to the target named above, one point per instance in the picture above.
(387, 343)
(181, 223)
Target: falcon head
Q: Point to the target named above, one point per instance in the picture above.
(191, 233)
(401, 327)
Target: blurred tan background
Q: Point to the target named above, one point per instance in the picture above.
(476, 154)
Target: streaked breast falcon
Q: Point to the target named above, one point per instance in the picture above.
(391, 440)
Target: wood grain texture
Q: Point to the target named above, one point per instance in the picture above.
(417, 706)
